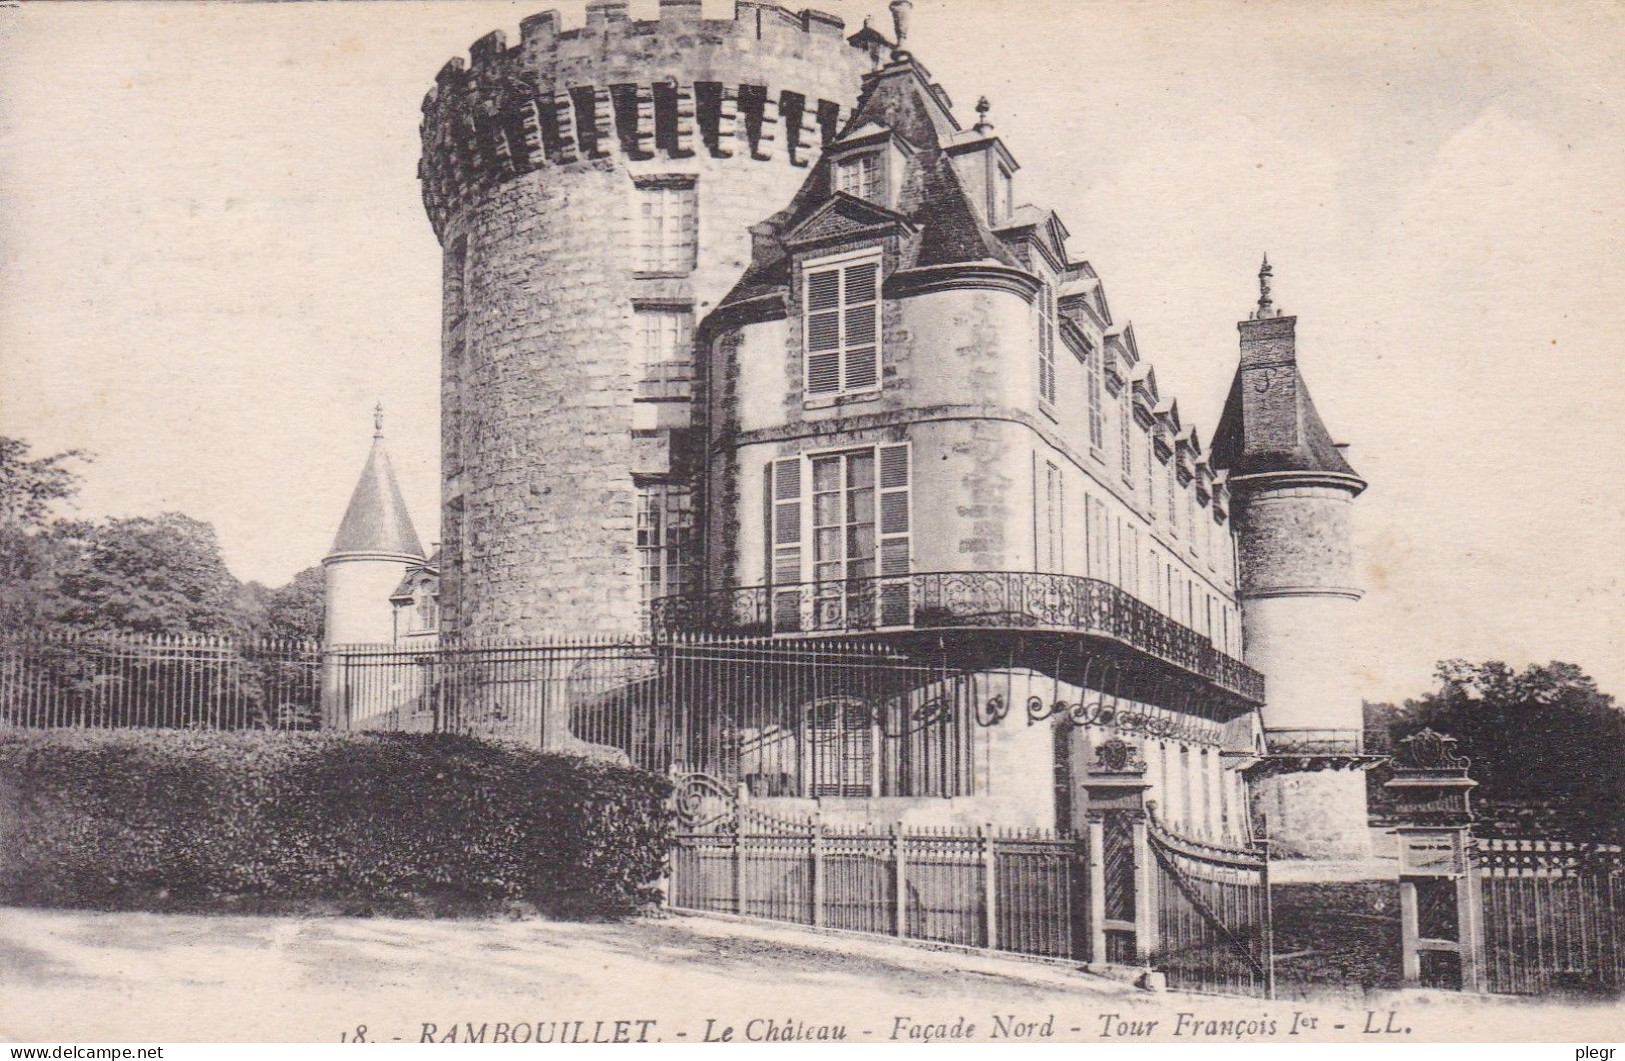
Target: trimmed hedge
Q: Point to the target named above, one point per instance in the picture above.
(349, 823)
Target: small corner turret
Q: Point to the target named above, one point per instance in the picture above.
(1292, 492)
(375, 544)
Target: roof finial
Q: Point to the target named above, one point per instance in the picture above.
(378, 420)
(899, 21)
(983, 126)
(1264, 274)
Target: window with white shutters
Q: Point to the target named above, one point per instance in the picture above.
(1051, 556)
(1047, 325)
(895, 524)
(1194, 511)
(842, 326)
(1092, 369)
(1126, 435)
(1173, 497)
(1129, 555)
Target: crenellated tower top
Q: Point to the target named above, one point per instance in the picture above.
(762, 83)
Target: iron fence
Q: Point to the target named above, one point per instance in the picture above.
(1007, 889)
(782, 719)
(1554, 916)
(109, 681)
(1213, 915)
(959, 600)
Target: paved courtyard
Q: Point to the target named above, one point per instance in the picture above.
(85, 977)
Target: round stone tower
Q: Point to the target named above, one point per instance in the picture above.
(1293, 494)
(593, 190)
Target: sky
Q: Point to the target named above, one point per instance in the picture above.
(214, 260)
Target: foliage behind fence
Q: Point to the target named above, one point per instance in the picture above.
(155, 682)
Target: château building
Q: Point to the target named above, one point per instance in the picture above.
(746, 333)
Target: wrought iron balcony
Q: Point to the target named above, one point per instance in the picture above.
(945, 600)
(1315, 741)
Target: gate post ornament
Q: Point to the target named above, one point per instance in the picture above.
(1430, 783)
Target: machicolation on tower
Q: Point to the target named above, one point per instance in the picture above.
(665, 88)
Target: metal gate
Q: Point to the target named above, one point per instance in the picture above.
(1213, 915)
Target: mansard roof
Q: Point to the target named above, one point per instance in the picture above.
(376, 524)
(428, 571)
(936, 220)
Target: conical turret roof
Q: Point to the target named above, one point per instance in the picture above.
(1269, 425)
(377, 523)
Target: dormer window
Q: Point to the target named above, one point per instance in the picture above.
(841, 320)
(862, 176)
(1173, 496)
(1004, 194)
(427, 619)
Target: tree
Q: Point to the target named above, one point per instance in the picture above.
(158, 575)
(297, 610)
(34, 549)
(30, 487)
(1545, 738)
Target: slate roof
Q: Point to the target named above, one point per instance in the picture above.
(1270, 424)
(942, 226)
(377, 521)
(429, 569)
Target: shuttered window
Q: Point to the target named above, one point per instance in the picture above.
(1173, 495)
(895, 523)
(1097, 427)
(784, 537)
(842, 323)
(1194, 511)
(1047, 325)
(1052, 555)
(1126, 435)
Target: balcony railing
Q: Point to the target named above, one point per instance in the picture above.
(1020, 600)
(1315, 741)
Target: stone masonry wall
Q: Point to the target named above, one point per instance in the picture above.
(530, 158)
(1294, 538)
